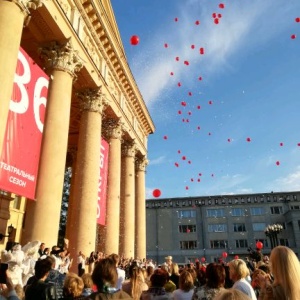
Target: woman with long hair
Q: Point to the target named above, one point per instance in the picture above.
(136, 284)
(285, 269)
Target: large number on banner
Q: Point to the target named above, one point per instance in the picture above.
(21, 80)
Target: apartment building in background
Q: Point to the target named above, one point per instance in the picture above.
(191, 228)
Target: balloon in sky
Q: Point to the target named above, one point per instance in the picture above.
(293, 36)
(134, 40)
(156, 193)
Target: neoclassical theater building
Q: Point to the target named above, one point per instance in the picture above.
(91, 94)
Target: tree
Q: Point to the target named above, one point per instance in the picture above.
(64, 205)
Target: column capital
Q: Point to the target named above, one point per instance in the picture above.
(61, 57)
(141, 163)
(25, 5)
(92, 100)
(129, 148)
(113, 128)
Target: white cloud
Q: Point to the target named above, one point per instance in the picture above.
(242, 26)
(291, 182)
(157, 161)
(228, 185)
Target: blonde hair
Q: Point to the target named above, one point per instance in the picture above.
(87, 280)
(175, 269)
(239, 268)
(285, 268)
(186, 281)
(231, 294)
(137, 279)
(73, 285)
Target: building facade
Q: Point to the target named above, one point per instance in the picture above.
(91, 94)
(205, 227)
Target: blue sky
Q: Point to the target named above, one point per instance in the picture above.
(250, 72)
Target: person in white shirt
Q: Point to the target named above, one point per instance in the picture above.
(186, 287)
(238, 273)
(121, 273)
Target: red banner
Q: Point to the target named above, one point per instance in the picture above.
(101, 208)
(19, 160)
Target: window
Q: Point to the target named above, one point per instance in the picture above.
(188, 245)
(219, 244)
(215, 212)
(217, 228)
(264, 241)
(257, 211)
(241, 244)
(239, 227)
(295, 207)
(17, 202)
(187, 228)
(259, 226)
(186, 214)
(237, 212)
(276, 210)
(284, 242)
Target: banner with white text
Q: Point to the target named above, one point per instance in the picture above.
(101, 208)
(20, 155)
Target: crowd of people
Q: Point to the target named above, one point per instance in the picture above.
(99, 276)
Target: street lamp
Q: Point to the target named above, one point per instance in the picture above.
(272, 232)
(9, 231)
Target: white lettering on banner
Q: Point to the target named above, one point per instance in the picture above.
(100, 182)
(17, 181)
(21, 107)
(15, 170)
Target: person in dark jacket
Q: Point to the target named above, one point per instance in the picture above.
(38, 289)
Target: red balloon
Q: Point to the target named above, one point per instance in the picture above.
(297, 20)
(293, 36)
(224, 254)
(156, 193)
(201, 50)
(198, 22)
(134, 40)
(259, 245)
(221, 5)
(216, 21)
(203, 259)
(166, 45)
(236, 257)
(248, 139)
(277, 162)
(281, 144)
(165, 137)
